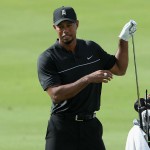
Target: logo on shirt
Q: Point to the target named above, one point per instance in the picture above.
(63, 12)
(88, 58)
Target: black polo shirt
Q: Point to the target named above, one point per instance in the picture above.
(56, 66)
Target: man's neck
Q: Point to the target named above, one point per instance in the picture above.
(69, 47)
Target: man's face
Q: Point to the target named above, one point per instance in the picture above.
(66, 31)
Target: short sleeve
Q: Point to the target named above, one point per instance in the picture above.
(111, 60)
(107, 59)
(47, 71)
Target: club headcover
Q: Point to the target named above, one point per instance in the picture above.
(142, 106)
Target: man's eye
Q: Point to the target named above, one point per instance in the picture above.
(60, 27)
(69, 25)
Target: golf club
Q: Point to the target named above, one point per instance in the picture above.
(136, 76)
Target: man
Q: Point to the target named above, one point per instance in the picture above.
(72, 72)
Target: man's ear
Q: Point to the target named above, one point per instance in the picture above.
(77, 23)
(54, 26)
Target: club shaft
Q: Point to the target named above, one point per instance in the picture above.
(137, 85)
(136, 76)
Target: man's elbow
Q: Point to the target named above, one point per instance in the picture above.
(54, 95)
(121, 72)
(56, 99)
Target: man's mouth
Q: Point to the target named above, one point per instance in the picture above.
(65, 36)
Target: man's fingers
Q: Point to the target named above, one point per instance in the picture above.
(107, 74)
(105, 81)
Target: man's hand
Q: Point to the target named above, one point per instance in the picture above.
(128, 30)
(100, 76)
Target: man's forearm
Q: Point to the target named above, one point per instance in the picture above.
(122, 56)
(64, 92)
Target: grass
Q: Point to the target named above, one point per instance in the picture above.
(26, 30)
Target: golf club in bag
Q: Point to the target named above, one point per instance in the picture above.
(147, 119)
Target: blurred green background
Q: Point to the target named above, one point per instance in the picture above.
(26, 31)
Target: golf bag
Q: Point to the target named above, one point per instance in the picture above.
(139, 135)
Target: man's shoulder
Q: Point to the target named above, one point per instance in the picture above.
(49, 50)
(46, 54)
(89, 44)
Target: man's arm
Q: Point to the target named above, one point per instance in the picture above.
(60, 93)
(122, 54)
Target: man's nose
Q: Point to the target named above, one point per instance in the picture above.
(65, 30)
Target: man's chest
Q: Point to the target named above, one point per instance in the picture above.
(72, 66)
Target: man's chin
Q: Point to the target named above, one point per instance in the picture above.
(68, 42)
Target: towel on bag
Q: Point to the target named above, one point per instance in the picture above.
(136, 139)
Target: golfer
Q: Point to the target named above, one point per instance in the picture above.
(72, 71)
